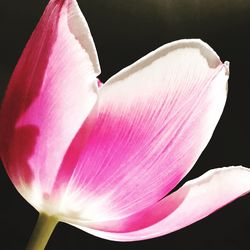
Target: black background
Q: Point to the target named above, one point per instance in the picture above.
(123, 32)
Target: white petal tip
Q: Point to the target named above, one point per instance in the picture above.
(226, 65)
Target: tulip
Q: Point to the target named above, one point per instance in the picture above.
(103, 157)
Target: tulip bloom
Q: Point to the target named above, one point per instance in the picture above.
(104, 158)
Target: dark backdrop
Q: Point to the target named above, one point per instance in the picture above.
(123, 32)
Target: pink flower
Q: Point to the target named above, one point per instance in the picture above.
(103, 159)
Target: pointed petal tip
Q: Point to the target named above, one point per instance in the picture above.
(207, 51)
(212, 55)
(80, 28)
(227, 67)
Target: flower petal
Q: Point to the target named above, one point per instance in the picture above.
(52, 90)
(195, 200)
(153, 119)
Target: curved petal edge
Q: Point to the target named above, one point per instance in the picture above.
(195, 200)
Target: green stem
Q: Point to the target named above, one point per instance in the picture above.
(44, 228)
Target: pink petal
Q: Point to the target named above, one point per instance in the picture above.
(193, 201)
(153, 120)
(51, 92)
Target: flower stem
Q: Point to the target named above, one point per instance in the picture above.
(44, 228)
